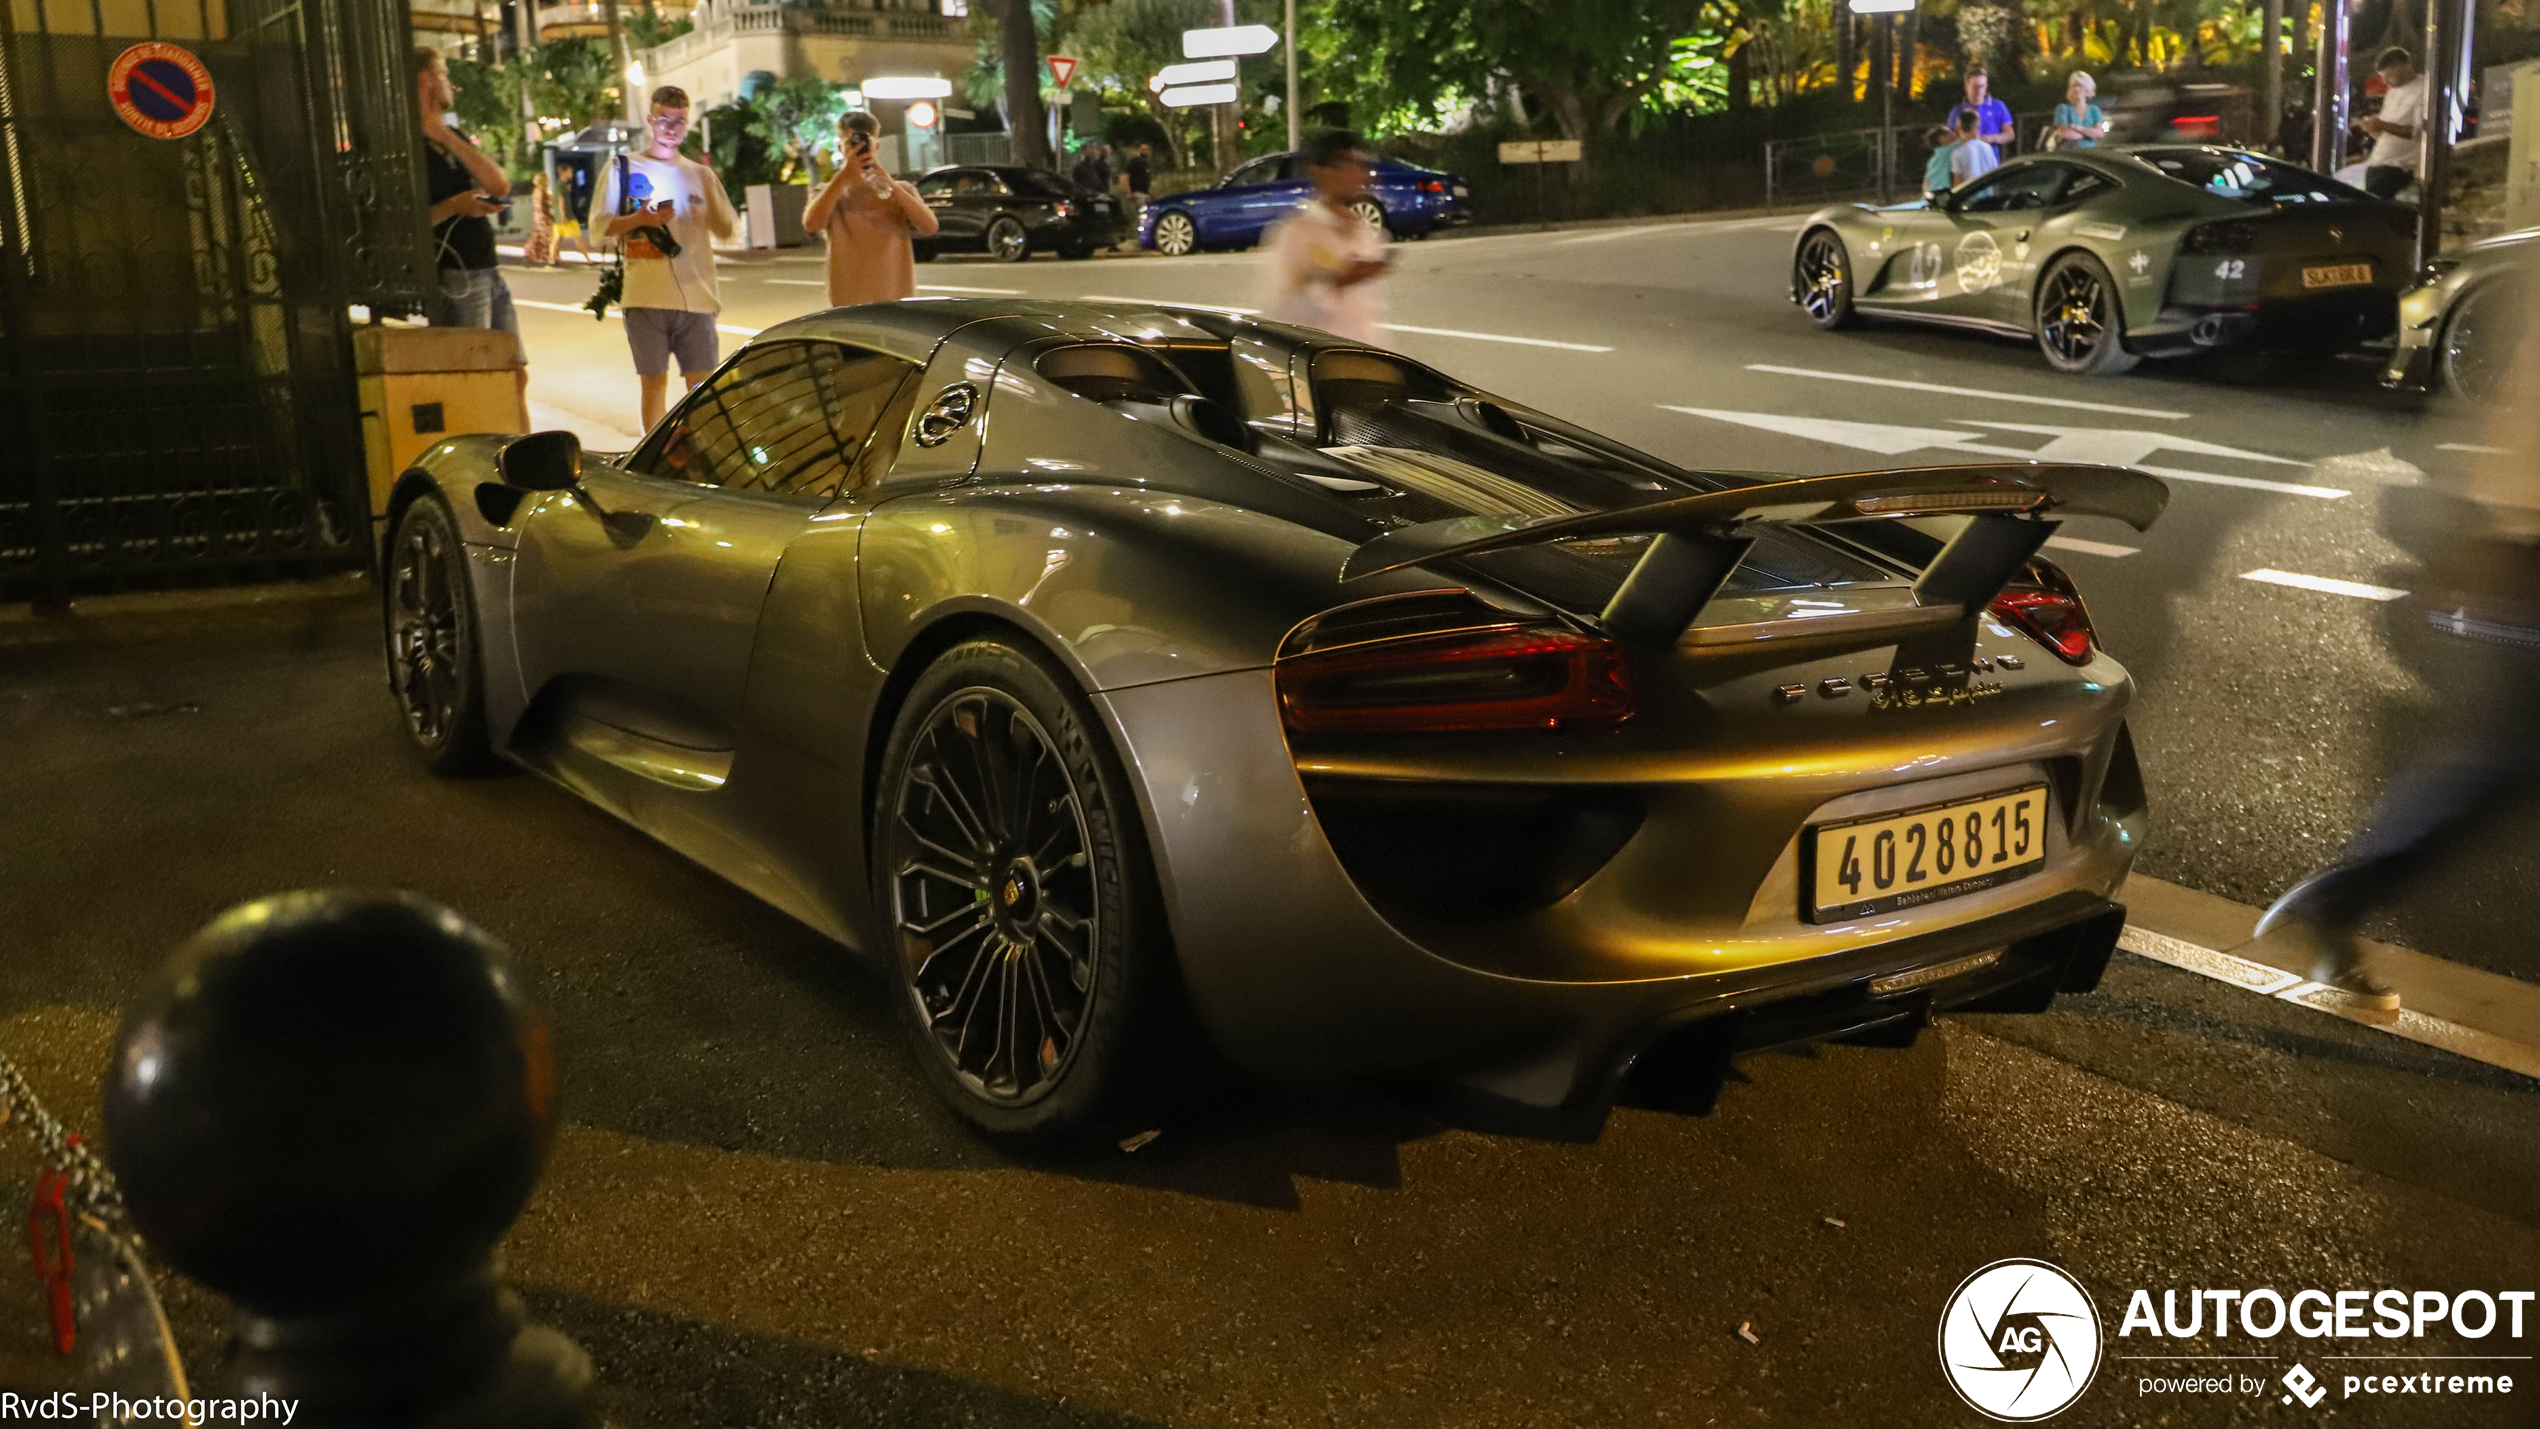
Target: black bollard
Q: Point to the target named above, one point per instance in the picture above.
(330, 1108)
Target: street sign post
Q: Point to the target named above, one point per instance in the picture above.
(1540, 152)
(1887, 84)
(160, 89)
(1062, 69)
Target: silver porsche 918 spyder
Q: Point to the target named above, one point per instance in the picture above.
(1148, 689)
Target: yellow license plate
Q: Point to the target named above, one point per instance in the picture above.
(2336, 275)
(1922, 856)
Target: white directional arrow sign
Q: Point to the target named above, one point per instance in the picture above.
(2114, 446)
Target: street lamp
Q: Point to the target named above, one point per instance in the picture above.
(1887, 85)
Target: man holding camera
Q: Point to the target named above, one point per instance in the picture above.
(467, 190)
(868, 220)
(667, 209)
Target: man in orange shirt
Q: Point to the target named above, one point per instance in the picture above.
(867, 218)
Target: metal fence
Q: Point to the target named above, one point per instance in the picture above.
(174, 337)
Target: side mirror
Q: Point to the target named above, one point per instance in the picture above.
(542, 461)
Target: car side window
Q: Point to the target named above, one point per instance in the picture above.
(786, 418)
(2025, 186)
(2084, 184)
(936, 185)
(1259, 171)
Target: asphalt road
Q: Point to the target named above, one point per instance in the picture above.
(758, 1216)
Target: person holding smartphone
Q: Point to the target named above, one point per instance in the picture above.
(667, 209)
(868, 220)
(1324, 259)
(467, 189)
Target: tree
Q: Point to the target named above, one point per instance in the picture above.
(1019, 50)
(1126, 41)
(1590, 63)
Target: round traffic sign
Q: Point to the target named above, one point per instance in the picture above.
(160, 89)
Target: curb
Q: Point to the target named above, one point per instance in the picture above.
(2470, 1013)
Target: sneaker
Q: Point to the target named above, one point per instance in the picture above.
(2362, 989)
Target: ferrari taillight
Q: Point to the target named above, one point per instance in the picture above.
(1507, 678)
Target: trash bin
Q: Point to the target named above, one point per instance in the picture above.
(420, 384)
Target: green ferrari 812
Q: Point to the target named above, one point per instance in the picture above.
(2109, 256)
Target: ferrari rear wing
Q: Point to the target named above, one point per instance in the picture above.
(1702, 538)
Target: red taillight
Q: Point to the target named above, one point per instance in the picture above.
(2053, 618)
(1063, 209)
(1432, 186)
(1527, 678)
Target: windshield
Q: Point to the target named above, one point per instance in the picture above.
(2251, 178)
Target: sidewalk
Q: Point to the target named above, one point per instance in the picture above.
(2462, 1010)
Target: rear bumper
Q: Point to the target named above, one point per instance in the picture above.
(1297, 975)
(2334, 322)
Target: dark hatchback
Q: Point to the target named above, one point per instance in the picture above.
(1011, 212)
(1410, 201)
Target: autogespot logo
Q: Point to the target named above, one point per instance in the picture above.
(2019, 1340)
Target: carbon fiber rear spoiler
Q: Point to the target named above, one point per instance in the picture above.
(1702, 538)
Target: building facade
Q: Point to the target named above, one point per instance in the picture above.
(844, 42)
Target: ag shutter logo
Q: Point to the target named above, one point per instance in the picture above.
(2019, 1340)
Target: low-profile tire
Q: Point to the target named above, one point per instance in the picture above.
(1007, 240)
(2080, 320)
(1029, 955)
(1822, 274)
(435, 657)
(1176, 236)
(1369, 212)
(2479, 340)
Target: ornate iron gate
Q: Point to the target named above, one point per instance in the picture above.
(174, 314)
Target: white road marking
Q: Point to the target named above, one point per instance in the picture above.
(2473, 449)
(1496, 337)
(2092, 548)
(1729, 225)
(620, 315)
(2112, 446)
(2076, 405)
(2323, 584)
(797, 282)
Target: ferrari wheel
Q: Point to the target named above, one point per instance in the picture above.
(1007, 242)
(2479, 341)
(434, 664)
(1028, 942)
(2078, 325)
(1369, 212)
(1825, 281)
(1175, 235)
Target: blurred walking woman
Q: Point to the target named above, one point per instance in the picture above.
(867, 218)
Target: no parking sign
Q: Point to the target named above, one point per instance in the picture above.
(161, 90)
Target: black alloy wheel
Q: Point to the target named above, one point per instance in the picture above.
(2479, 340)
(1027, 937)
(1007, 242)
(1175, 234)
(2079, 327)
(434, 665)
(1824, 272)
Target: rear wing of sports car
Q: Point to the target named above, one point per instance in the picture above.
(1701, 539)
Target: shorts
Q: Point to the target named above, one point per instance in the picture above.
(659, 334)
(472, 297)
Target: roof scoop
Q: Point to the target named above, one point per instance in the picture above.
(1701, 538)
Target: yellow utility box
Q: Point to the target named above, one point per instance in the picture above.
(420, 384)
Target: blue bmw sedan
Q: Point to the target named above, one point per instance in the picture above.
(1408, 200)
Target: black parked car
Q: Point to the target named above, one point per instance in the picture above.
(1012, 212)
